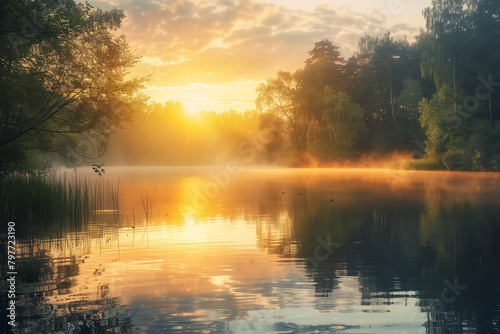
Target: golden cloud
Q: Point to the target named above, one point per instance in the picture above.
(186, 41)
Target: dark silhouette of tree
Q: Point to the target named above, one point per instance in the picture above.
(345, 120)
(323, 68)
(62, 80)
(459, 119)
(280, 96)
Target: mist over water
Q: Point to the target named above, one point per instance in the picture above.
(273, 250)
(250, 167)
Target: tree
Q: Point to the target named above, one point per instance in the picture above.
(410, 96)
(447, 23)
(273, 125)
(279, 96)
(324, 67)
(376, 78)
(408, 104)
(485, 18)
(63, 83)
(168, 135)
(437, 119)
(462, 104)
(392, 64)
(345, 120)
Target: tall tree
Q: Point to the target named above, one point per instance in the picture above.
(376, 78)
(324, 67)
(345, 120)
(447, 23)
(279, 96)
(62, 79)
(462, 104)
(391, 60)
(485, 18)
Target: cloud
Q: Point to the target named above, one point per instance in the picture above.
(220, 41)
(214, 96)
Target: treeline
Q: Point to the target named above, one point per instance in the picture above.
(335, 109)
(64, 83)
(165, 134)
(436, 97)
(65, 91)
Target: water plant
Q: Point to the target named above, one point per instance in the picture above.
(52, 203)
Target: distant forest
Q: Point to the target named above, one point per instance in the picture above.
(65, 96)
(436, 100)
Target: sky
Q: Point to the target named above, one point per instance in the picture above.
(211, 55)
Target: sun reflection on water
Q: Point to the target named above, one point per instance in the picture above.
(250, 257)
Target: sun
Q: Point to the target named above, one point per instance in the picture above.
(191, 106)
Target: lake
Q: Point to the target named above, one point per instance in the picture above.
(269, 250)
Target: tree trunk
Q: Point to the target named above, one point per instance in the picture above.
(490, 110)
(454, 89)
(392, 100)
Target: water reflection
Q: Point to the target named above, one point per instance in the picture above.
(280, 251)
(56, 292)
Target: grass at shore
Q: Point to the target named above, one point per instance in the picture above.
(52, 202)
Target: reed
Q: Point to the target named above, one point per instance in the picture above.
(51, 203)
(148, 210)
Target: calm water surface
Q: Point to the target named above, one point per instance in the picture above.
(198, 250)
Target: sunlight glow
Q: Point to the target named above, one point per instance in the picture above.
(199, 96)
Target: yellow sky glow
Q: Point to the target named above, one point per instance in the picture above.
(211, 55)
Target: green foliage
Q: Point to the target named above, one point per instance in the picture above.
(436, 117)
(384, 79)
(296, 103)
(496, 162)
(462, 134)
(282, 96)
(344, 118)
(483, 145)
(64, 90)
(403, 94)
(62, 80)
(457, 160)
(323, 68)
(426, 165)
(410, 97)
